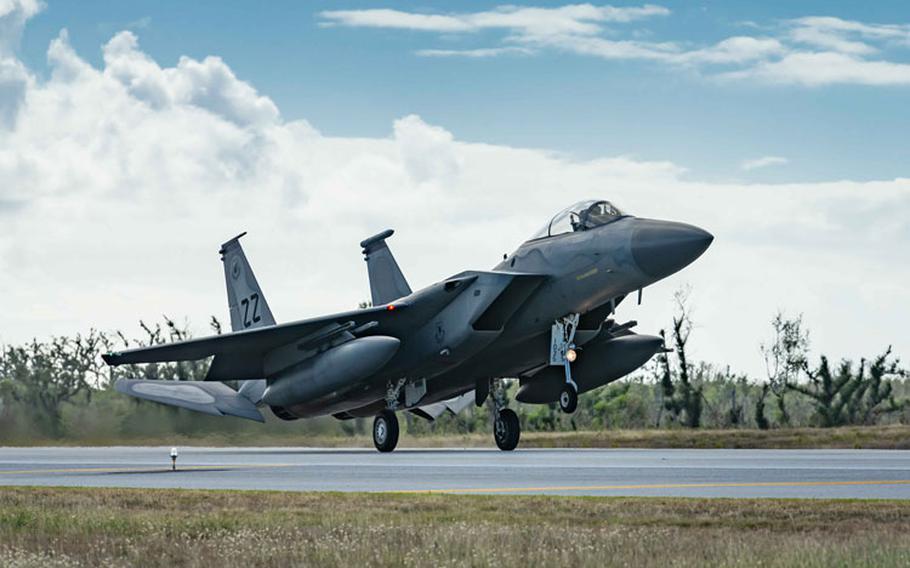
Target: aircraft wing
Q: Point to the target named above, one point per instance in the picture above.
(216, 399)
(240, 355)
(251, 340)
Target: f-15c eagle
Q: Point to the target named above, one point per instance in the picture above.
(543, 315)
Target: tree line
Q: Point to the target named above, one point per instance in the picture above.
(60, 389)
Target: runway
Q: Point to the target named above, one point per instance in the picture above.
(684, 473)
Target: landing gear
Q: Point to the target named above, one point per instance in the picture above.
(568, 399)
(385, 431)
(563, 352)
(506, 430)
(385, 425)
(506, 427)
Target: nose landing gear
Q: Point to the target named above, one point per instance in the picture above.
(563, 352)
(568, 398)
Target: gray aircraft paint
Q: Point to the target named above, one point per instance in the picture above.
(454, 335)
(387, 283)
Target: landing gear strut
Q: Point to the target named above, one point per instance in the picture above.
(562, 352)
(385, 431)
(506, 427)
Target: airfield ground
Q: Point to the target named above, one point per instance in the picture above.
(55, 527)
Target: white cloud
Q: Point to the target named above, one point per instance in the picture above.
(837, 27)
(14, 77)
(427, 152)
(819, 38)
(846, 36)
(810, 51)
(605, 48)
(208, 84)
(583, 19)
(118, 184)
(739, 49)
(13, 15)
(475, 53)
(764, 162)
(815, 69)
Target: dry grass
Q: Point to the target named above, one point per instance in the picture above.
(855, 437)
(113, 527)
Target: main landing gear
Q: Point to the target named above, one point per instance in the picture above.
(506, 427)
(506, 430)
(385, 425)
(385, 431)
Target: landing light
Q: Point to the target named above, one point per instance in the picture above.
(571, 355)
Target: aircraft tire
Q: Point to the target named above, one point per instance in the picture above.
(385, 431)
(507, 430)
(568, 399)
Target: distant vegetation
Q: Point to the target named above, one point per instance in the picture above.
(60, 390)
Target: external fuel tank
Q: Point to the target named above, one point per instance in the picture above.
(596, 365)
(339, 367)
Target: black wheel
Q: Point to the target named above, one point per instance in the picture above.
(506, 430)
(385, 431)
(568, 399)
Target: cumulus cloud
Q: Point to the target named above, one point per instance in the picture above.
(763, 162)
(13, 15)
(117, 184)
(207, 84)
(809, 51)
(14, 77)
(427, 152)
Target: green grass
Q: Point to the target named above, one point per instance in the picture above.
(872, 437)
(113, 527)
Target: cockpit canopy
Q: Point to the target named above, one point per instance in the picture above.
(582, 216)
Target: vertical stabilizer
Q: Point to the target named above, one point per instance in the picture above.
(245, 299)
(387, 283)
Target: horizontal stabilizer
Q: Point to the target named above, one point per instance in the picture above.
(213, 398)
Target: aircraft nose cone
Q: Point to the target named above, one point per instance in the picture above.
(661, 248)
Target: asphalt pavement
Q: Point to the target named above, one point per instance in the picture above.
(657, 472)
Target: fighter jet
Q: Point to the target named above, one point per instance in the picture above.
(544, 316)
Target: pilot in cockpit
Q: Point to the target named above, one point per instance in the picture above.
(582, 216)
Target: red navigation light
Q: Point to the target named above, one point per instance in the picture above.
(390, 307)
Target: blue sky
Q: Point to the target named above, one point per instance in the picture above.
(354, 81)
(150, 132)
